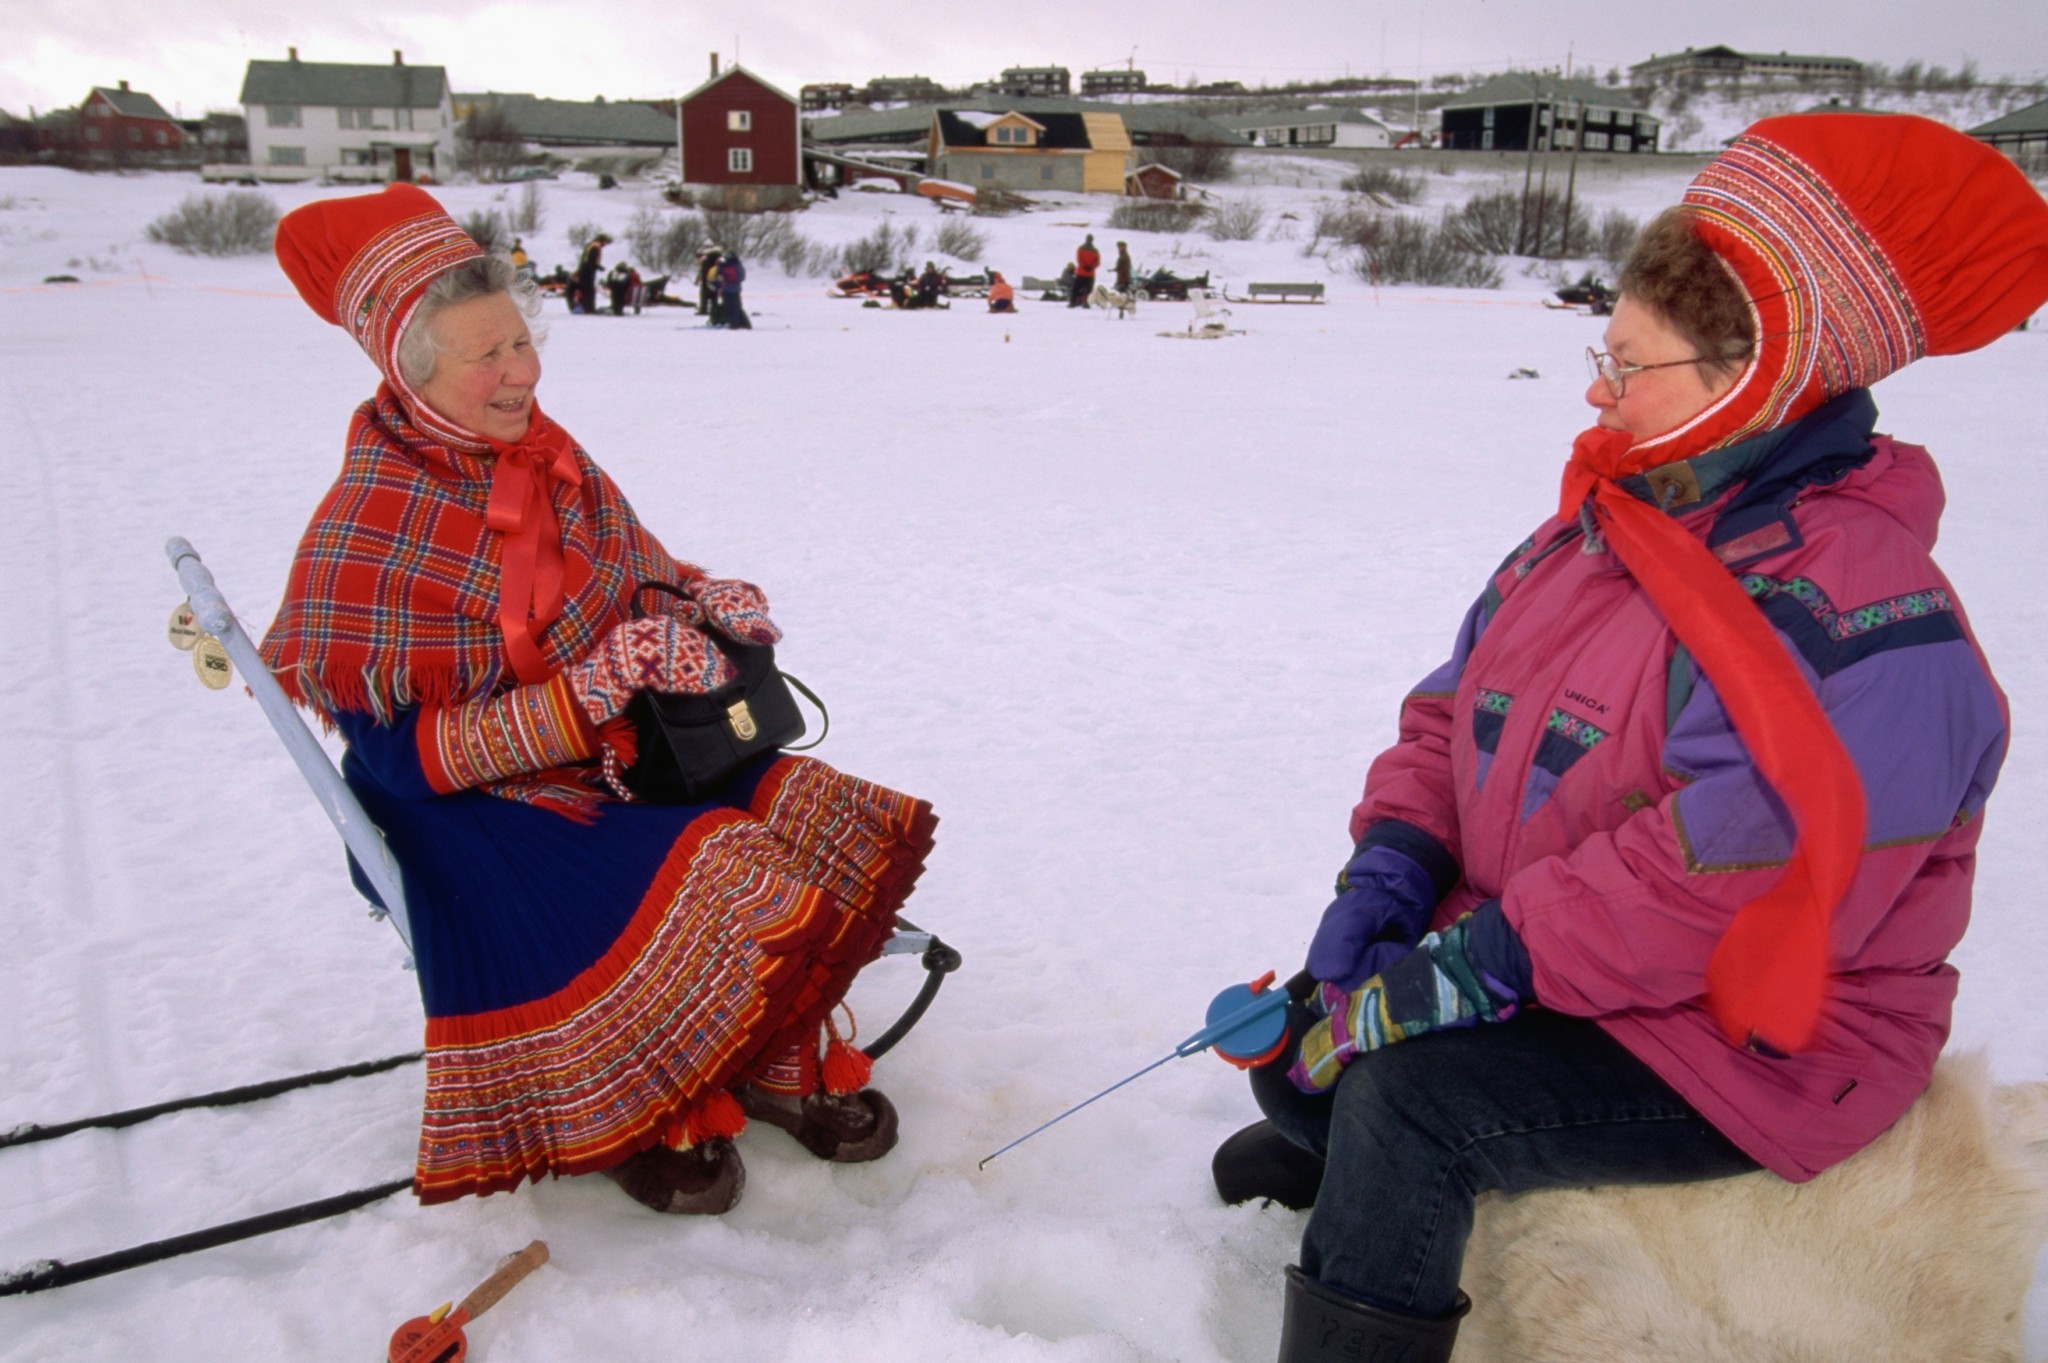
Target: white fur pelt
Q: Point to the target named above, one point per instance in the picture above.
(1919, 1248)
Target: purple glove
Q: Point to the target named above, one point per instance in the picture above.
(1384, 901)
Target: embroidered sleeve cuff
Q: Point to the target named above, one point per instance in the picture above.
(529, 728)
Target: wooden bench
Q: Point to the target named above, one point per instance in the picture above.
(1281, 293)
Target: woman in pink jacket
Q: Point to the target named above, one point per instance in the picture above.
(1690, 813)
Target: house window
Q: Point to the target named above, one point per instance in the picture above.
(988, 172)
(740, 160)
(1045, 172)
(163, 139)
(283, 115)
(1621, 142)
(135, 136)
(1596, 141)
(287, 156)
(92, 134)
(739, 121)
(1486, 119)
(357, 156)
(402, 119)
(1486, 140)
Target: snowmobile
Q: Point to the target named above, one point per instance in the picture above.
(1588, 294)
(1164, 283)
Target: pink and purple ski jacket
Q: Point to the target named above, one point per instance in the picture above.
(1573, 763)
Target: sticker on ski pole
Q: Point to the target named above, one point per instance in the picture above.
(210, 661)
(184, 627)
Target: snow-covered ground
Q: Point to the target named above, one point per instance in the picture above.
(1134, 613)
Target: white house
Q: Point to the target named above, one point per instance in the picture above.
(1321, 126)
(346, 121)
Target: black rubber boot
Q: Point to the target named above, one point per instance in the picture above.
(1259, 1162)
(1322, 1325)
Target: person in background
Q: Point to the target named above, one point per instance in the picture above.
(1001, 297)
(1087, 261)
(1659, 883)
(732, 275)
(522, 266)
(611, 985)
(931, 286)
(707, 268)
(1123, 268)
(585, 297)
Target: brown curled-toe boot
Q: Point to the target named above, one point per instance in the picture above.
(704, 1180)
(849, 1129)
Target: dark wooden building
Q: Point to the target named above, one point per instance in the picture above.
(1507, 111)
(744, 137)
(123, 124)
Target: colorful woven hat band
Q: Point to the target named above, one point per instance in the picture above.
(1863, 242)
(363, 262)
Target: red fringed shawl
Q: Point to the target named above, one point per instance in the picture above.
(432, 575)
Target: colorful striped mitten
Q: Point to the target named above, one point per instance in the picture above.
(1433, 987)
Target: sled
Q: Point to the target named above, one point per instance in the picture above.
(947, 194)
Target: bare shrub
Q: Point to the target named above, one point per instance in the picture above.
(1402, 250)
(665, 243)
(580, 234)
(884, 250)
(1204, 162)
(488, 229)
(960, 241)
(1393, 185)
(749, 235)
(529, 216)
(1496, 224)
(1344, 222)
(1155, 215)
(1615, 237)
(1238, 220)
(241, 222)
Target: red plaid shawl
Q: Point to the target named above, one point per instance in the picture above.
(394, 598)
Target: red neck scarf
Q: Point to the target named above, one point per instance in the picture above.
(1767, 977)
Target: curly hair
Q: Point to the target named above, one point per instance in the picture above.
(419, 348)
(1680, 278)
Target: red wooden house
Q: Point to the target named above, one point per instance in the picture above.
(744, 138)
(126, 124)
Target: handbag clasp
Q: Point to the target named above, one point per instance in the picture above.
(742, 720)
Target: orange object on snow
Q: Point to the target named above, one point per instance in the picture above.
(437, 1337)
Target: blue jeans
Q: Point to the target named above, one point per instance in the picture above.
(1413, 1133)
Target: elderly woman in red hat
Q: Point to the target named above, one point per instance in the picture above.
(609, 985)
(1659, 881)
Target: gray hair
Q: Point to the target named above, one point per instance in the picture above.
(419, 348)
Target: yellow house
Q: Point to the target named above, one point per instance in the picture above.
(1088, 153)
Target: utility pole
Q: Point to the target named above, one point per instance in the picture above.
(1528, 172)
(1572, 180)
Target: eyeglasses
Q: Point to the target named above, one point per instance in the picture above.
(1604, 366)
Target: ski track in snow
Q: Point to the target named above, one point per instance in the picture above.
(1133, 614)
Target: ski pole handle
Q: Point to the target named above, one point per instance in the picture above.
(493, 1289)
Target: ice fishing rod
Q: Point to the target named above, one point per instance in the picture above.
(1246, 1024)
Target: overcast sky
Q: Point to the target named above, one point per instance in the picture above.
(190, 54)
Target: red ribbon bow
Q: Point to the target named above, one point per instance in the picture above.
(522, 509)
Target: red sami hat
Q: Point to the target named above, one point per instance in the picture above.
(362, 263)
(1864, 241)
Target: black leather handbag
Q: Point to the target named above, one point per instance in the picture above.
(689, 745)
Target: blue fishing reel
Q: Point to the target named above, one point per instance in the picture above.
(1247, 1023)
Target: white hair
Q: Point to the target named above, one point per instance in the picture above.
(420, 348)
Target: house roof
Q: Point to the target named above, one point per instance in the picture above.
(344, 85)
(599, 122)
(1300, 118)
(737, 70)
(1522, 87)
(133, 103)
(2032, 119)
(1057, 132)
(914, 122)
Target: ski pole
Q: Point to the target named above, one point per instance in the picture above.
(1246, 1023)
(30, 1132)
(48, 1273)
